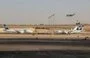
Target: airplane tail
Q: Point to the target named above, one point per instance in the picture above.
(79, 27)
(5, 26)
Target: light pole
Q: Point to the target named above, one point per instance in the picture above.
(51, 19)
(70, 15)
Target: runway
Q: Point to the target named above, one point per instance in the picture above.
(45, 41)
(28, 42)
(42, 45)
(45, 54)
(23, 47)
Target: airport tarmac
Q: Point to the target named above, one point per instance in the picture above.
(16, 45)
(46, 36)
(19, 47)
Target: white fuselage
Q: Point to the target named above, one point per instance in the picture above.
(77, 29)
(11, 30)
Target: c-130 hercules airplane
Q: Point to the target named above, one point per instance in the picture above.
(78, 29)
(5, 29)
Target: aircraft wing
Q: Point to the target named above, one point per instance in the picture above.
(59, 31)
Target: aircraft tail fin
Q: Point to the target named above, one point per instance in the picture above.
(5, 26)
(79, 27)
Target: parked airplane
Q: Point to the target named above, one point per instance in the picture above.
(11, 30)
(78, 29)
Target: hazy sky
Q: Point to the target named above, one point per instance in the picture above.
(38, 11)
